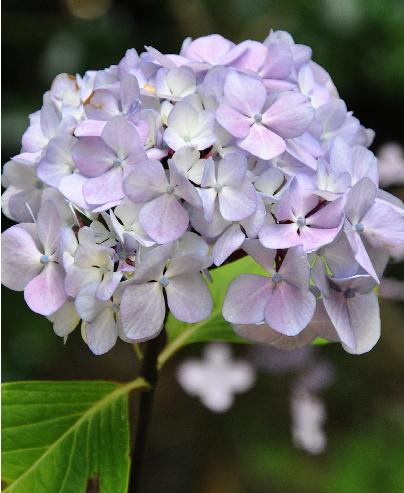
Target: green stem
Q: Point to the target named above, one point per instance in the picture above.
(149, 372)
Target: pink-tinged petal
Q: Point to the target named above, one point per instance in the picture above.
(50, 117)
(151, 265)
(189, 298)
(314, 238)
(142, 311)
(104, 188)
(365, 319)
(187, 263)
(279, 236)
(20, 258)
(289, 309)
(71, 187)
(108, 285)
(238, 203)
(92, 156)
(359, 250)
(102, 333)
(57, 161)
(329, 216)
(360, 198)
(246, 299)
(234, 122)
(164, 219)
(49, 226)
(295, 268)
(244, 93)
(384, 227)
(121, 136)
(146, 182)
(262, 142)
(227, 243)
(208, 197)
(89, 128)
(261, 255)
(290, 115)
(45, 293)
(232, 169)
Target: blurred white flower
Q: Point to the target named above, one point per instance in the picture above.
(392, 289)
(391, 164)
(216, 378)
(308, 415)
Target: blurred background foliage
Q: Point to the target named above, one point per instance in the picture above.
(248, 449)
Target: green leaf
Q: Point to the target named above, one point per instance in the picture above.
(65, 437)
(215, 328)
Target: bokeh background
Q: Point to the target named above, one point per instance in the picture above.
(248, 449)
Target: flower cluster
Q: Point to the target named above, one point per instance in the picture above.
(132, 181)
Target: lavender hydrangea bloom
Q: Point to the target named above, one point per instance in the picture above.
(282, 300)
(133, 180)
(30, 261)
(261, 128)
(188, 298)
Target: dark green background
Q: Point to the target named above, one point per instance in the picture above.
(249, 449)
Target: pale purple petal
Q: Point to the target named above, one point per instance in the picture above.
(289, 309)
(290, 115)
(49, 225)
(232, 169)
(295, 268)
(383, 226)
(189, 298)
(92, 156)
(187, 263)
(360, 198)
(227, 243)
(142, 311)
(238, 203)
(359, 250)
(208, 197)
(20, 258)
(244, 93)
(146, 182)
(152, 262)
(246, 299)
(263, 256)
(164, 219)
(105, 188)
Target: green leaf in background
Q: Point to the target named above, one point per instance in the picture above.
(215, 328)
(66, 437)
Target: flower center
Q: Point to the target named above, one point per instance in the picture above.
(164, 281)
(44, 259)
(301, 221)
(258, 117)
(276, 278)
(359, 228)
(170, 189)
(349, 293)
(117, 162)
(218, 187)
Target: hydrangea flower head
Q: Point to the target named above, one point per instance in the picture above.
(133, 181)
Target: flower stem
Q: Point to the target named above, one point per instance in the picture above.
(150, 373)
